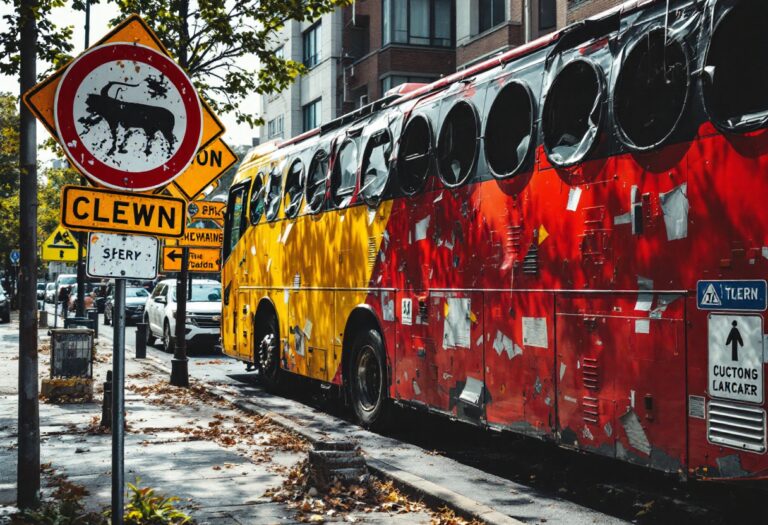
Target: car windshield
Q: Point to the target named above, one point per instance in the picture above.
(41, 286)
(136, 292)
(203, 293)
(68, 280)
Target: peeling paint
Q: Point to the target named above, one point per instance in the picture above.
(730, 466)
(421, 227)
(644, 300)
(675, 206)
(608, 429)
(635, 432)
(502, 343)
(587, 434)
(574, 196)
(472, 391)
(625, 218)
(416, 389)
(562, 370)
(570, 399)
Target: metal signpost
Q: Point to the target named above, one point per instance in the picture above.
(128, 130)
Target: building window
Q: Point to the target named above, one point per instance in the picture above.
(391, 81)
(311, 114)
(547, 15)
(490, 14)
(311, 39)
(280, 52)
(275, 127)
(418, 22)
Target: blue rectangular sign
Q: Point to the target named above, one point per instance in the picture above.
(732, 295)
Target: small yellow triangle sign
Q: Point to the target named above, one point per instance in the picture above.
(543, 234)
(61, 246)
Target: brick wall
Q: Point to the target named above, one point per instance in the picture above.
(581, 9)
(504, 37)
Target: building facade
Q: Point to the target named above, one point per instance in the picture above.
(357, 53)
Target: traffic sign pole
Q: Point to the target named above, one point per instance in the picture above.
(118, 403)
(28, 464)
(179, 368)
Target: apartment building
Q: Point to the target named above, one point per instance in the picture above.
(357, 53)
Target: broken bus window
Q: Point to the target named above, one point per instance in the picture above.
(572, 113)
(375, 172)
(509, 129)
(344, 174)
(294, 186)
(274, 183)
(257, 198)
(735, 83)
(651, 90)
(316, 179)
(413, 157)
(457, 144)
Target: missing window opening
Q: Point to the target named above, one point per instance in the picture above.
(735, 84)
(274, 183)
(294, 184)
(316, 181)
(375, 172)
(413, 158)
(457, 145)
(257, 199)
(509, 129)
(572, 113)
(651, 90)
(344, 174)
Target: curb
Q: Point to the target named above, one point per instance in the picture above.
(430, 492)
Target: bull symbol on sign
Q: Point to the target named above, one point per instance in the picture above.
(130, 116)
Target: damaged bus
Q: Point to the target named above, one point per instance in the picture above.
(567, 241)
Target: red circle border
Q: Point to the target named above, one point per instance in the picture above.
(84, 159)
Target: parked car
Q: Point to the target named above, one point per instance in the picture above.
(203, 322)
(40, 290)
(5, 307)
(89, 299)
(135, 301)
(50, 292)
(65, 279)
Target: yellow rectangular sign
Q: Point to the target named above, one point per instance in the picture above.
(209, 164)
(199, 237)
(202, 210)
(200, 259)
(94, 209)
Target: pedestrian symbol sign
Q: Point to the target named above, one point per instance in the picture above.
(15, 257)
(60, 246)
(736, 357)
(710, 297)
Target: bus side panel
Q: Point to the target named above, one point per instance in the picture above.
(311, 332)
(519, 361)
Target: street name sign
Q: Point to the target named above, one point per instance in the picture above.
(60, 246)
(113, 256)
(94, 209)
(41, 99)
(200, 259)
(199, 238)
(745, 295)
(203, 210)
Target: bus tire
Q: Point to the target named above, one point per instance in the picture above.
(268, 354)
(368, 380)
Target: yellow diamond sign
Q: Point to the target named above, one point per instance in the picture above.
(60, 246)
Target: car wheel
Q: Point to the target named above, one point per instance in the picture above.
(268, 354)
(167, 339)
(150, 336)
(368, 380)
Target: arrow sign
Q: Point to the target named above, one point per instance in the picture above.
(201, 260)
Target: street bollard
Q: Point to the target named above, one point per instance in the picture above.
(141, 340)
(106, 404)
(93, 315)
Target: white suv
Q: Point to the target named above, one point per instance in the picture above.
(203, 323)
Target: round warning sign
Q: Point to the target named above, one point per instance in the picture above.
(128, 116)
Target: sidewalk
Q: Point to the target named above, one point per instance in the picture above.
(221, 461)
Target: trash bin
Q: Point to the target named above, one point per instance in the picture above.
(72, 352)
(80, 322)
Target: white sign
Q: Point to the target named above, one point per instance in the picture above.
(736, 357)
(406, 311)
(113, 255)
(535, 332)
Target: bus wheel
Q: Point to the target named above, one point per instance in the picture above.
(367, 380)
(269, 355)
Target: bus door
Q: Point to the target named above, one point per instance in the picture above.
(415, 364)
(310, 326)
(244, 316)
(621, 376)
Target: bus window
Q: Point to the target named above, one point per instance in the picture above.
(294, 186)
(651, 90)
(274, 183)
(572, 113)
(735, 84)
(344, 174)
(316, 180)
(509, 129)
(413, 157)
(257, 198)
(375, 172)
(457, 144)
(235, 218)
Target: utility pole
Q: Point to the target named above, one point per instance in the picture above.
(28, 469)
(179, 365)
(82, 237)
